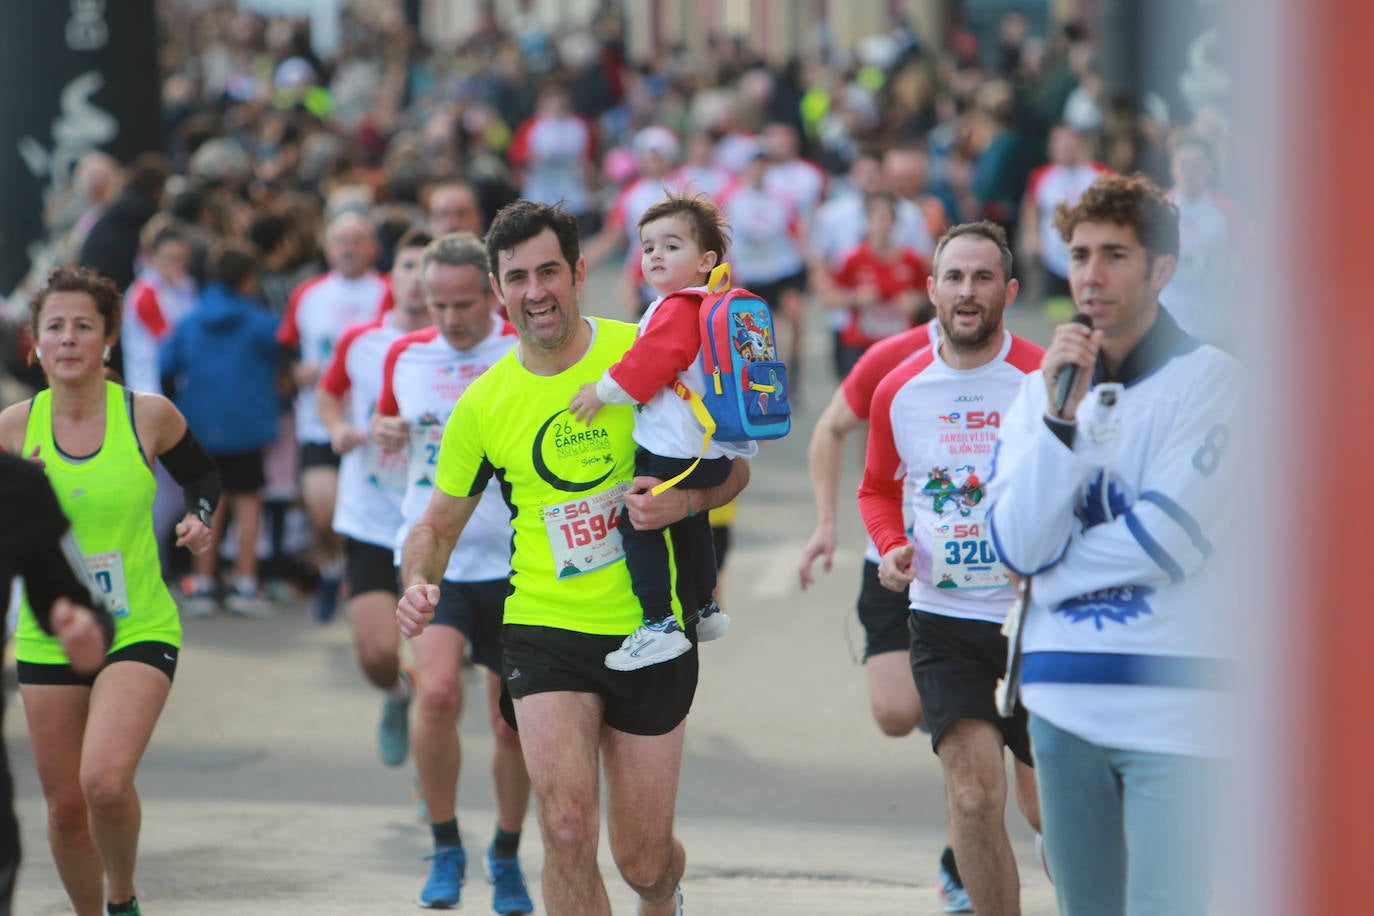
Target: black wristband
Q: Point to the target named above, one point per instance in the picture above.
(192, 467)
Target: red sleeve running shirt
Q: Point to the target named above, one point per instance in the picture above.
(368, 503)
(932, 433)
(317, 313)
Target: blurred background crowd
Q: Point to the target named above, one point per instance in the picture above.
(820, 127)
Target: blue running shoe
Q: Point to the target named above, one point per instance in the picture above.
(326, 600)
(393, 732)
(444, 888)
(953, 896)
(508, 893)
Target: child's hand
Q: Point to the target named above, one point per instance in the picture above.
(585, 403)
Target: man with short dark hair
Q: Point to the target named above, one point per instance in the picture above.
(933, 424)
(571, 600)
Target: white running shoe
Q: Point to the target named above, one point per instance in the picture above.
(651, 643)
(712, 623)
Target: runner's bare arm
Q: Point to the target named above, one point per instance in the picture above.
(425, 556)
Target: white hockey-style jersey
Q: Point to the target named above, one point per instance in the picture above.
(1120, 643)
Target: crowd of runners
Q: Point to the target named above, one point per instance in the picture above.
(332, 340)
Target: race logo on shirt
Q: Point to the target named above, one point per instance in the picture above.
(571, 457)
(958, 491)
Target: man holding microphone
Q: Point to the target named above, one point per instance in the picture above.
(1108, 492)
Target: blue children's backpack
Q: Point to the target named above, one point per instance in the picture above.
(746, 384)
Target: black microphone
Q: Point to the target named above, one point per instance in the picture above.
(1067, 378)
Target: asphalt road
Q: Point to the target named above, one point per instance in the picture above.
(262, 791)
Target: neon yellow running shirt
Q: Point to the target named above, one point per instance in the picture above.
(564, 482)
(109, 499)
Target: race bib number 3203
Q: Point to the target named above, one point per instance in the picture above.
(963, 557)
(584, 534)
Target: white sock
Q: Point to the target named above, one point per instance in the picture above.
(401, 689)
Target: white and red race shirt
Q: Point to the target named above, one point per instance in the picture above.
(317, 313)
(1052, 185)
(891, 276)
(764, 230)
(878, 360)
(800, 182)
(840, 224)
(152, 308)
(734, 152)
(422, 379)
(555, 154)
(932, 431)
(629, 205)
(371, 482)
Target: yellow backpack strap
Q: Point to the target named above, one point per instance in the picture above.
(704, 418)
(719, 280)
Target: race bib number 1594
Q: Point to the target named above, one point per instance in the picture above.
(584, 534)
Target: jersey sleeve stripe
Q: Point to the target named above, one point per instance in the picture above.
(1154, 549)
(1181, 518)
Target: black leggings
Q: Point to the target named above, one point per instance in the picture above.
(646, 552)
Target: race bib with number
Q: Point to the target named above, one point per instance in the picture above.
(584, 534)
(107, 571)
(424, 454)
(962, 556)
(385, 469)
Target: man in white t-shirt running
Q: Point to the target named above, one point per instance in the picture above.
(371, 484)
(350, 293)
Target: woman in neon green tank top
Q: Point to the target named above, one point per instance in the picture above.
(96, 442)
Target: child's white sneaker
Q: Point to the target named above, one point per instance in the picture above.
(660, 641)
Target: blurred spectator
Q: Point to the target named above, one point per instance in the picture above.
(112, 245)
(921, 216)
(788, 174)
(1000, 167)
(1201, 295)
(156, 301)
(768, 254)
(453, 207)
(1060, 181)
(220, 367)
(880, 285)
(554, 154)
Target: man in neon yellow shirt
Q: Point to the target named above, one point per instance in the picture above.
(568, 486)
